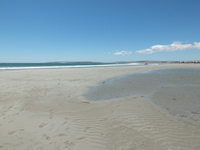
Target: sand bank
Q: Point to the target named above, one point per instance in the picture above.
(46, 110)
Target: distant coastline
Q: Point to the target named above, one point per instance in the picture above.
(121, 62)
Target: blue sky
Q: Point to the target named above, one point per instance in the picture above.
(99, 30)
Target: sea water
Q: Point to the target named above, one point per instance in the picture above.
(176, 90)
(145, 83)
(28, 66)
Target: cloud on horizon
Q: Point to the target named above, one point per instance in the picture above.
(175, 46)
(123, 53)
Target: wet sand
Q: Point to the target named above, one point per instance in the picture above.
(176, 90)
(47, 109)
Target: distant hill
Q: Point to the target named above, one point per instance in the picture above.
(118, 62)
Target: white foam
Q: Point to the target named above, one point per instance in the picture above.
(68, 66)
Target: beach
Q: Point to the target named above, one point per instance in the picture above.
(47, 109)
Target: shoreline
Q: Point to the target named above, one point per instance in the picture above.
(46, 109)
(39, 66)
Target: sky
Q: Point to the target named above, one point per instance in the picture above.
(99, 30)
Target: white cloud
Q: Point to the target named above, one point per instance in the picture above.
(146, 51)
(123, 53)
(197, 45)
(175, 46)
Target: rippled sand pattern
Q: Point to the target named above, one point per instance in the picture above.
(46, 110)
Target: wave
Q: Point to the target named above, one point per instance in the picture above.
(66, 66)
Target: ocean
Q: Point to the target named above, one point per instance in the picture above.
(29, 66)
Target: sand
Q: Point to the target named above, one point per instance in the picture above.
(176, 90)
(47, 110)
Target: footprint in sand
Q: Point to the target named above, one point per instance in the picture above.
(61, 135)
(12, 132)
(81, 138)
(69, 146)
(9, 122)
(47, 137)
(43, 124)
(64, 123)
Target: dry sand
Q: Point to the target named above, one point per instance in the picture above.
(46, 110)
